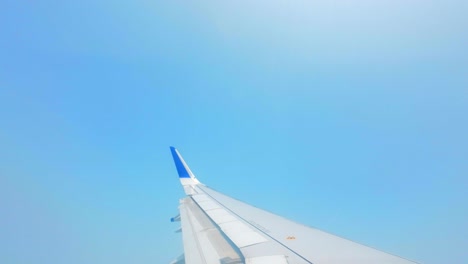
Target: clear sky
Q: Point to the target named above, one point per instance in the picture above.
(350, 116)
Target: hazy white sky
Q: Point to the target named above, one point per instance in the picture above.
(349, 116)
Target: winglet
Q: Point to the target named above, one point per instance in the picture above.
(182, 168)
(185, 174)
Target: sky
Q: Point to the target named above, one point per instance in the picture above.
(348, 116)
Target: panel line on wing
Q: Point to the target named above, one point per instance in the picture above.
(239, 232)
(240, 217)
(203, 242)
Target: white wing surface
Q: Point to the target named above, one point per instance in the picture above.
(219, 229)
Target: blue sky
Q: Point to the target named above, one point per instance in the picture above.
(349, 116)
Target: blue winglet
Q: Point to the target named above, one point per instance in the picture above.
(181, 166)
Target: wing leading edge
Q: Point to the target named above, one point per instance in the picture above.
(219, 229)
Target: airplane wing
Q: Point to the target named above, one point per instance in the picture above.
(219, 229)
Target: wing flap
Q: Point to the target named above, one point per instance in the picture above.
(203, 242)
(221, 216)
(240, 233)
(277, 259)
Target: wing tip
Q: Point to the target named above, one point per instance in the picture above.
(182, 169)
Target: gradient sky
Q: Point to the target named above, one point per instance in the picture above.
(350, 116)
